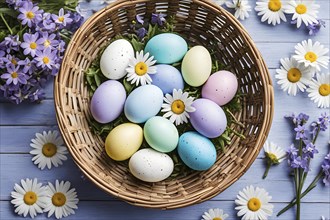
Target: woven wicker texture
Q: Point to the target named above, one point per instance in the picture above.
(200, 23)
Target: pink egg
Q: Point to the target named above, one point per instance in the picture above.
(220, 87)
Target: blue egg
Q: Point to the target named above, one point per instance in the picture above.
(143, 103)
(167, 48)
(167, 78)
(196, 151)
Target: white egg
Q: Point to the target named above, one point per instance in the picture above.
(115, 59)
(150, 165)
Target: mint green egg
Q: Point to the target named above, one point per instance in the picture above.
(167, 48)
(161, 134)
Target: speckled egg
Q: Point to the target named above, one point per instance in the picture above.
(143, 103)
(196, 66)
(167, 48)
(123, 141)
(161, 134)
(167, 78)
(108, 101)
(150, 165)
(221, 87)
(209, 119)
(196, 151)
(115, 58)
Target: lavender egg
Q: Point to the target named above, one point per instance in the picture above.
(221, 87)
(108, 101)
(209, 119)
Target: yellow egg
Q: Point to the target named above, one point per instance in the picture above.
(196, 66)
(123, 141)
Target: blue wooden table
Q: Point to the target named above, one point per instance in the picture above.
(19, 123)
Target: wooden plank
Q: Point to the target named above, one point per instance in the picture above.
(15, 167)
(110, 210)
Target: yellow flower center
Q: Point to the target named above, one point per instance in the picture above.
(33, 45)
(294, 75)
(301, 9)
(61, 19)
(45, 60)
(58, 199)
(178, 106)
(274, 5)
(324, 90)
(49, 149)
(30, 198)
(141, 68)
(254, 204)
(30, 15)
(217, 218)
(46, 43)
(14, 75)
(13, 61)
(311, 56)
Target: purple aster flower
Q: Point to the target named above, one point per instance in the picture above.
(14, 75)
(299, 162)
(77, 20)
(47, 40)
(37, 95)
(141, 32)
(61, 46)
(10, 60)
(27, 65)
(158, 19)
(30, 14)
(309, 150)
(139, 19)
(62, 18)
(15, 3)
(45, 58)
(301, 132)
(11, 43)
(2, 53)
(30, 44)
(47, 22)
(314, 28)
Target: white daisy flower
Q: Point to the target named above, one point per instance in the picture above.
(312, 55)
(140, 67)
(214, 214)
(293, 76)
(271, 10)
(177, 106)
(220, 2)
(319, 90)
(242, 8)
(303, 11)
(48, 149)
(60, 199)
(274, 155)
(29, 198)
(253, 204)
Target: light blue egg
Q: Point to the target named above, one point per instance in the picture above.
(167, 48)
(196, 151)
(167, 78)
(143, 103)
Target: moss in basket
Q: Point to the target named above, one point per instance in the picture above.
(94, 78)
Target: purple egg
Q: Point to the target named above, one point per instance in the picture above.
(108, 101)
(221, 87)
(209, 119)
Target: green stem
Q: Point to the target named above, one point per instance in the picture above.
(4, 20)
(317, 134)
(269, 164)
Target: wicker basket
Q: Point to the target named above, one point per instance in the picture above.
(200, 22)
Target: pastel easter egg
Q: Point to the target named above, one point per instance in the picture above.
(221, 87)
(167, 48)
(150, 165)
(123, 141)
(115, 59)
(161, 134)
(143, 103)
(108, 101)
(208, 119)
(167, 78)
(196, 151)
(196, 66)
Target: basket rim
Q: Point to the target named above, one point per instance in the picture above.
(268, 111)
